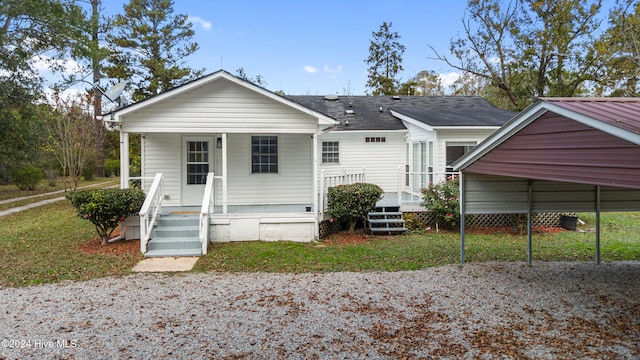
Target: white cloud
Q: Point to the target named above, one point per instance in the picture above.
(309, 69)
(448, 78)
(330, 70)
(44, 63)
(196, 20)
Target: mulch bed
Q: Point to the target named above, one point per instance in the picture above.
(120, 247)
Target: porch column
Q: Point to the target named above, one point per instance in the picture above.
(224, 173)
(124, 160)
(314, 200)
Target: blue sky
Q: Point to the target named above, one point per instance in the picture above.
(314, 48)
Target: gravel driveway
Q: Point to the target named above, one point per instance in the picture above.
(490, 310)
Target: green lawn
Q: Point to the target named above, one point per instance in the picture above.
(620, 240)
(41, 246)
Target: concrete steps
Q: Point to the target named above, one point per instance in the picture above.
(175, 235)
(386, 220)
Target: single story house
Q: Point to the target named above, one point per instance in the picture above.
(558, 155)
(254, 165)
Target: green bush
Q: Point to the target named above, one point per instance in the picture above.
(112, 168)
(442, 200)
(106, 208)
(351, 202)
(27, 177)
(89, 171)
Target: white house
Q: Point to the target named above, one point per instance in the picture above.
(251, 164)
(403, 143)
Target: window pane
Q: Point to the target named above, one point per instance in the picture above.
(264, 150)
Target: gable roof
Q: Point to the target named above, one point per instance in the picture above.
(389, 112)
(216, 76)
(547, 141)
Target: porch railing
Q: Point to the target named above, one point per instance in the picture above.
(151, 208)
(335, 180)
(208, 201)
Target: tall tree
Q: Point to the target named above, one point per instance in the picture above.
(151, 45)
(619, 47)
(385, 61)
(526, 49)
(35, 31)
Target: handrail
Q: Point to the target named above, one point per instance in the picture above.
(335, 180)
(208, 201)
(152, 203)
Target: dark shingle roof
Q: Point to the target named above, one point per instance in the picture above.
(431, 110)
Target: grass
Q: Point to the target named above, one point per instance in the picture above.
(12, 191)
(40, 245)
(620, 240)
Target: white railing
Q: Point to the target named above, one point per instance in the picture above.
(412, 181)
(151, 208)
(208, 201)
(335, 180)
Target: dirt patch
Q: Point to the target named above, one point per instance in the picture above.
(120, 247)
(357, 237)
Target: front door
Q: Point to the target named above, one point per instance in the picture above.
(197, 159)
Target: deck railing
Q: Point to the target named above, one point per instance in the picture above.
(208, 201)
(151, 208)
(335, 180)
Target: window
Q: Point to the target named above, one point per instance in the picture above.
(330, 152)
(455, 152)
(375, 139)
(197, 162)
(264, 154)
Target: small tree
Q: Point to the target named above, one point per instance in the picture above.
(69, 131)
(352, 202)
(106, 208)
(443, 201)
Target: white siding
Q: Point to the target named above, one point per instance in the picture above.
(216, 107)
(380, 160)
(292, 184)
(490, 194)
(457, 136)
(163, 155)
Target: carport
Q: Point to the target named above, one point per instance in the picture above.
(557, 155)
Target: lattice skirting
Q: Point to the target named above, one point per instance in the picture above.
(495, 220)
(474, 220)
(327, 228)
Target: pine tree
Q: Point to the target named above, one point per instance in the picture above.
(385, 61)
(152, 44)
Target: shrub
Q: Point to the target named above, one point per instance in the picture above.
(89, 171)
(106, 208)
(112, 168)
(352, 202)
(27, 177)
(442, 200)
